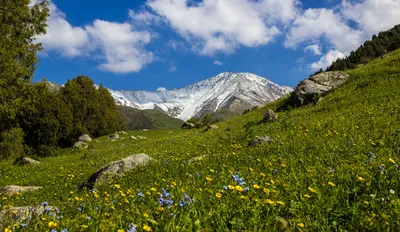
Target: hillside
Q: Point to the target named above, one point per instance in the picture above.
(333, 167)
(135, 119)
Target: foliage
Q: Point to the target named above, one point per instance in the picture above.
(385, 42)
(206, 120)
(45, 119)
(94, 110)
(333, 167)
(11, 143)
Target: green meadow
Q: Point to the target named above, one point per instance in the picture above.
(333, 167)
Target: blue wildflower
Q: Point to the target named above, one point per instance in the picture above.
(181, 203)
(140, 194)
(23, 225)
(381, 168)
(45, 204)
(246, 189)
(225, 188)
(132, 227)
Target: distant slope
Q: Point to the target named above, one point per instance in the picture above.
(135, 119)
(229, 91)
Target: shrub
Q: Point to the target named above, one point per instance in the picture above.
(12, 143)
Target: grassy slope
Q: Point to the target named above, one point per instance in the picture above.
(135, 119)
(328, 142)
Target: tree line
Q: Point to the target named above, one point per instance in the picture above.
(380, 45)
(35, 120)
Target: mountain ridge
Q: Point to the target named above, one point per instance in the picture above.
(207, 96)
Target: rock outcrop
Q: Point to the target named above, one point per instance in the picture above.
(311, 89)
(187, 125)
(269, 115)
(14, 189)
(116, 168)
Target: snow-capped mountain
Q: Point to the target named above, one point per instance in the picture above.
(227, 90)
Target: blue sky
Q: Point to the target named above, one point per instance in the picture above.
(144, 45)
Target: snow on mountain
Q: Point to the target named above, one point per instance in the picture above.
(208, 96)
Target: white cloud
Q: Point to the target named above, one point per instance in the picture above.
(62, 37)
(327, 60)
(217, 62)
(222, 25)
(372, 16)
(172, 68)
(122, 46)
(314, 49)
(314, 24)
(145, 17)
(161, 89)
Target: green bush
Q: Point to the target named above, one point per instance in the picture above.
(12, 143)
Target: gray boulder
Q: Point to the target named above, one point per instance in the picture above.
(133, 137)
(260, 140)
(14, 189)
(28, 161)
(117, 168)
(269, 115)
(113, 136)
(142, 137)
(311, 89)
(85, 138)
(81, 145)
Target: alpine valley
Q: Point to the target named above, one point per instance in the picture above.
(231, 93)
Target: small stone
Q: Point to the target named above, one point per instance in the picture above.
(27, 160)
(113, 136)
(85, 138)
(81, 145)
(261, 140)
(14, 189)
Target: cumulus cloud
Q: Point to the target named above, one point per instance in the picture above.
(314, 49)
(327, 60)
(61, 36)
(372, 16)
(217, 62)
(222, 25)
(316, 23)
(145, 17)
(122, 46)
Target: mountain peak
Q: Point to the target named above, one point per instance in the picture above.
(227, 90)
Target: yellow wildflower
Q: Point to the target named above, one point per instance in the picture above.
(272, 182)
(117, 186)
(244, 197)
(266, 191)
(270, 202)
(307, 196)
(239, 188)
(145, 215)
(121, 231)
(391, 161)
(146, 228)
(301, 225)
(312, 190)
(230, 187)
(218, 195)
(331, 184)
(153, 189)
(84, 226)
(251, 169)
(209, 179)
(366, 202)
(256, 186)
(52, 225)
(44, 219)
(263, 174)
(360, 179)
(280, 202)
(212, 170)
